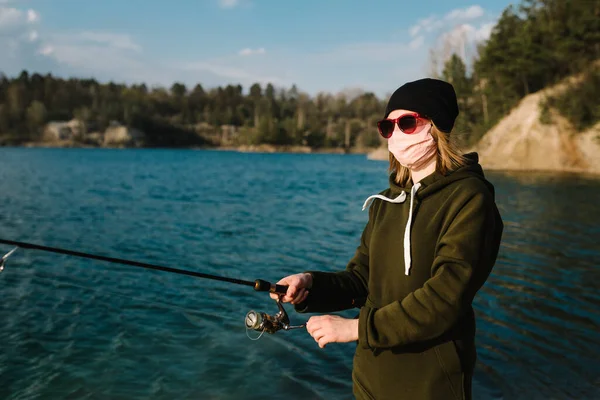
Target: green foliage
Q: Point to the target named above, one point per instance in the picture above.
(179, 116)
(36, 117)
(533, 46)
(455, 72)
(579, 102)
(156, 129)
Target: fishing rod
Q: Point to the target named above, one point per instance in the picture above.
(258, 321)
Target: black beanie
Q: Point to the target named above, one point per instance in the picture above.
(432, 98)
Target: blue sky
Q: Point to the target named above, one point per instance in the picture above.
(319, 45)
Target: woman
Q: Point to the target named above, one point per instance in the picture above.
(429, 245)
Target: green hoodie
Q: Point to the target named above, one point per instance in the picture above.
(424, 253)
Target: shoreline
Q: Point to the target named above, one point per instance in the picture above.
(267, 148)
(263, 148)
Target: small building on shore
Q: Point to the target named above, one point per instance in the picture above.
(120, 135)
(75, 132)
(63, 130)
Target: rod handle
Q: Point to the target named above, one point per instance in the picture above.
(261, 285)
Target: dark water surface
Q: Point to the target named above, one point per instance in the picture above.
(83, 329)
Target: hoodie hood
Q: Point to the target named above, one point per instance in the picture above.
(433, 182)
(437, 181)
(429, 185)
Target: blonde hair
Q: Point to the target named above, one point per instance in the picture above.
(448, 157)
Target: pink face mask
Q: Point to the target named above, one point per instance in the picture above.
(413, 150)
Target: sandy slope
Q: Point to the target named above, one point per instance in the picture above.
(520, 141)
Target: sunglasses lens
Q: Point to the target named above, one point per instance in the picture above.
(386, 128)
(408, 124)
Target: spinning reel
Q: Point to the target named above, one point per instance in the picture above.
(262, 322)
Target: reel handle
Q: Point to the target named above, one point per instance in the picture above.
(261, 285)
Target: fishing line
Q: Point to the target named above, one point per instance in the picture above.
(261, 333)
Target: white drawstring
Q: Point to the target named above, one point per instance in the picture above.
(400, 199)
(407, 256)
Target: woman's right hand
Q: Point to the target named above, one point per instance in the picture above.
(298, 285)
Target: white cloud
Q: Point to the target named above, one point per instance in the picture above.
(465, 14)
(15, 25)
(13, 18)
(467, 34)
(95, 52)
(231, 73)
(16, 35)
(89, 57)
(250, 52)
(433, 22)
(46, 50)
(414, 30)
(229, 3)
(116, 40)
(90, 53)
(426, 24)
(21, 42)
(32, 16)
(101, 55)
(484, 32)
(10, 18)
(416, 42)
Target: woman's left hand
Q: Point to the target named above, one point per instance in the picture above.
(332, 328)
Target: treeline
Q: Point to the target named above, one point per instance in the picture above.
(532, 46)
(222, 115)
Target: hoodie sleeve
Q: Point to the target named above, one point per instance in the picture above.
(337, 291)
(465, 255)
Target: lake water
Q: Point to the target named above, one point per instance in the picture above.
(84, 329)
